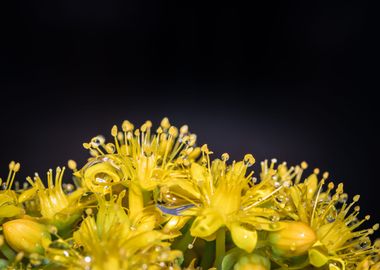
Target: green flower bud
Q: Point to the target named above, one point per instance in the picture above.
(252, 262)
(295, 239)
(26, 235)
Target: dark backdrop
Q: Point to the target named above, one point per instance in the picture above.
(288, 80)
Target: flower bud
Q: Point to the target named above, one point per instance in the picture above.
(252, 262)
(26, 235)
(294, 239)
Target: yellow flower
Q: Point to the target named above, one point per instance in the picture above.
(26, 235)
(139, 159)
(220, 195)
(136, 245)
(338, 243)
(140, 155)
(9, 206)
(55, 205)
(101, 173)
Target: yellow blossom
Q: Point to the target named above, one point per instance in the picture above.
(135, 244)
(56, 206)
(9, 206)
(335, 222)
(139, 155)
(218, 195)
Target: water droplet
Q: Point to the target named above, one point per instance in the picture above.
(287, 184)
(273, 225)
(279, 198)
(225, 157)
(274, 218)
(330, 218)
(97, 141)
(53, 230)
(364, 243)
(343, 198)
(249, 160)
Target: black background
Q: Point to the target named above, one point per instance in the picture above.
(290, 80)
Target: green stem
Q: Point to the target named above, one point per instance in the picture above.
(183, 242)
(208, 255)
(220, 249)
(7, 252)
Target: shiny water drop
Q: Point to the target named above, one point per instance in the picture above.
(274, 218)
(330, 218)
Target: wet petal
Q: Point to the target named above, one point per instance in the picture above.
(243, 237)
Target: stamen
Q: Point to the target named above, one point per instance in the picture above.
(191, 245)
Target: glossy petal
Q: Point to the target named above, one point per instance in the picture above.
(206, 224)
(243, 237)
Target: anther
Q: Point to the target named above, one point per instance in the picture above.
(86, 145)
(127, 126)
(72, 165)
(173, 131)
(165, 124)
(225, 157)
(249, 160)
(304, 165)
(114, 131)
(184, 129)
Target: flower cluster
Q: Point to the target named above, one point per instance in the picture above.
(156, 200)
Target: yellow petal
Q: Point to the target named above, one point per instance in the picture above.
(175, 223)
(317, 257)
(5, 199)
(183, 187)
(243, 237)
(206, 224)
(312, 186)
(198, 173)
(27, 195)
(10, 211)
